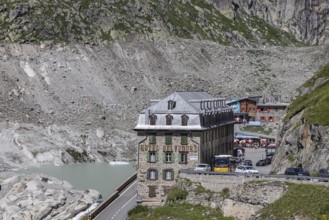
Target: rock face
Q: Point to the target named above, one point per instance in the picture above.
(304, 135)
(96, 22)
(302, 144)
(41, 197)
(306, 20)
(87, 98)
(241, 202)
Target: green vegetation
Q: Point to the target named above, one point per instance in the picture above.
(272, 34)
(178, 211)
(225, 193)
(315, 103)
(177, 194)
(200, 190)
(257, 129)
(77, 156)
(291, 158)
(91, 22)
(103, 153)
(302, 200)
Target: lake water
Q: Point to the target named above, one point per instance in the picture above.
(102, 177)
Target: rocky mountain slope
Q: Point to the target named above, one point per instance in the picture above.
(77, 103)
(41, 197)
(235, 22)
(303, 139)
(73, 87)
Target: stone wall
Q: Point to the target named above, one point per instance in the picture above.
(161, 185)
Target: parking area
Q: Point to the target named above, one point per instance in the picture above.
(256, 154)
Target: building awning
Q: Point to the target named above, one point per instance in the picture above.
(242, 136)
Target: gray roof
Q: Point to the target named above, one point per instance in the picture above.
(186, 102)
(191, 104)
(274, 104)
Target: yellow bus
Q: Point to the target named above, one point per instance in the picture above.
(225, 163)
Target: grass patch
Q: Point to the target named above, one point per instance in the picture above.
(177, 194)
(200, 189)
(291, 158)
(302, 200)
(257, 129)
(315, 103)
(77, 156)
(225, 193)
(182, 211)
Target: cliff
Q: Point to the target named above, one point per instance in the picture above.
(303, 138)
(306, 20)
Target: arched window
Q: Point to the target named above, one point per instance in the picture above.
(184, 120)
(169, 119)
(171, 104)
(153, 119)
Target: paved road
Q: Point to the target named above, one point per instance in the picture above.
(256, 154)
(119, 208)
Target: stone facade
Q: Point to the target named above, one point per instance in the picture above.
(179, 131)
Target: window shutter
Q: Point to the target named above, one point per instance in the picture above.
(172, 174)
(164, 174)
(184, 139)
(156, 174)
(172, 157)
(179, 157)
(148, 156)
(163, 157)
(148, 174)
(156, 157)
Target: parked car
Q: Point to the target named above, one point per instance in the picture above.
(247, 163)
(264, 162)
(297, 171)
(324, 172)
(202, 167)
(246, 169)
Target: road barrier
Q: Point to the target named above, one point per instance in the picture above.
(260, 175)
(110, 199)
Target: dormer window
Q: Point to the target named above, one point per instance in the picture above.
(153, 119)
(184, 120)
(171, 104)
(169, 119)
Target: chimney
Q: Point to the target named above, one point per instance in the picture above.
(147, 116)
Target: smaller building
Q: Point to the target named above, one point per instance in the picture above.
(270, 112)
(244, 108)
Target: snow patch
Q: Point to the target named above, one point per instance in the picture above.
(27, 68)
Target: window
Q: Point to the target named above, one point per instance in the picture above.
(183, 139)
(168, 174)
(152, 191)
(168, 157)
(184, 120)
(152, 139)
(168, 139)
(171, 104)
(152, 174)
(153, 119)
(183, 157)
(152, 157)
(169, 119)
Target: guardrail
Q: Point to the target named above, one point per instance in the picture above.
(260, 175)
(110, 199)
